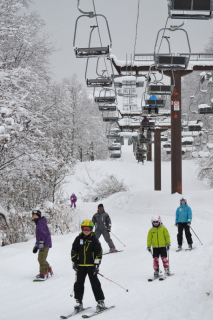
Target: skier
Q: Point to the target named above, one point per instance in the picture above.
(43, 243)
(158, 237)
(183, 221)
(153, 97)
(103, 226)
(73, 199)
(86, 256)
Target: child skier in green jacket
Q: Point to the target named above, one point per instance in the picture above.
(158, 237)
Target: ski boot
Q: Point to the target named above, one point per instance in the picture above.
(167, 272)
(78, 306)
(51, 271)
(42, 276)
(179, 247)
(156, 273)
(100, 306)
(112, 250)
(190, 246)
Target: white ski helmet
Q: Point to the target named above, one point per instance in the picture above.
(183, 199)
(156, 218)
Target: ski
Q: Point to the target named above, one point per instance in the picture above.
(189, 249)
(153, 279)
(179, 250)
(96, 313)
(112, 252)
(164, 277)
(74, 313)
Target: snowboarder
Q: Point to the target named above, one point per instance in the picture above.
(73, 199)
(158, 237)
(86, 256)
(183, 221)
(103, 226)
(43, 243)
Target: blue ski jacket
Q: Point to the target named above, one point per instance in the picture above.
(183, 214)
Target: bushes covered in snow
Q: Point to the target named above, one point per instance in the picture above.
(104, 189)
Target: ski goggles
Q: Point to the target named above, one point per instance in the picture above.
(155, 221)
(182, 201)
(86, 228)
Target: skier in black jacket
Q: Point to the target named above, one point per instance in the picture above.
(103, 225)
(86, 256)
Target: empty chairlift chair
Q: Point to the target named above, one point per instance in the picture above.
(91, 52)
(190, 9)
(171, 61)
(110, 117)
(205, 109)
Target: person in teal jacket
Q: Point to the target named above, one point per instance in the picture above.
(158, 237)
(183, 221)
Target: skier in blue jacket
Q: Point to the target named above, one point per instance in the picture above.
(153, 97)
(183, 221)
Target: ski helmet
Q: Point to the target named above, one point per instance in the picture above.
(183, 199)
(156, 218)
(87, 223)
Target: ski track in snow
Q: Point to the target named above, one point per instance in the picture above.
(181, 297)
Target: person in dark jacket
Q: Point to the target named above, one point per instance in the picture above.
(103, 226)
(86, 255)
(43, 243)
(183, 221)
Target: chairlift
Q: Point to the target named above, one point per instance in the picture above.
(160, 89)
(112, 136)
(187, 143)
(114, 147)
(110, 118)
(190, 9)
(145, 140)
(194, 127)
(115, 155)
(105, 98)
(156, 103)
(147, 124)
(167, 145)
(107, 107)
(91, 52)
(163, 139)
(205, 109)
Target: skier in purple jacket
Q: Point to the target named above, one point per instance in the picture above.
(43, 243)
(73, 199)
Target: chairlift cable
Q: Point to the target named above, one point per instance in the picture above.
(136, 31)
(163, 34)
(99, 34)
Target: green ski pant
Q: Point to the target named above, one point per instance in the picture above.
(44, 265)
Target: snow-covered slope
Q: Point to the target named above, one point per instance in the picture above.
(181, 297)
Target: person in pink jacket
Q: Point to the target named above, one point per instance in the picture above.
(73, 199)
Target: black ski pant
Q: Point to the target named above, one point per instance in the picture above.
(106, 236)
(95, 283)
(182, 226)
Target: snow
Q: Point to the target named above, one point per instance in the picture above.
(187, 139)
(209, 145)
(203, 105)
(2, 129)
(181, 297)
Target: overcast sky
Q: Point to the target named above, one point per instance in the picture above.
(60, 17)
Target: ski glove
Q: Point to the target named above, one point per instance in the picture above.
(75, 266)
(35, 248)
(167, 247)
(109, 230)
(149, 249)
(189, 224)
(96, 269)
(41, 245)
(176, 225)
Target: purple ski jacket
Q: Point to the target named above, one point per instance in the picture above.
(43, 233)
(73, 198)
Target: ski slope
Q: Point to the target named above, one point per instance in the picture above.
(181, 297)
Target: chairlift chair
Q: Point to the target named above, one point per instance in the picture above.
(194, 127)
(157, 103)
(190, 9)
(163, 139)
(107, 107)
(105, 99)
(91, 52)
(114, 147)
(205, 109)
(147, 124)
(115, 155)
(145, 140)
(99, 82)
(168, 145)
(160, 89)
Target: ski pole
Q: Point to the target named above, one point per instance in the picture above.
(113, 282)
(74, 284)
(196, 235)
(118, 239)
